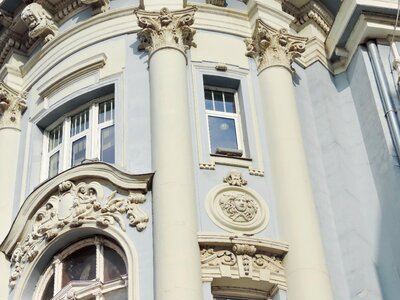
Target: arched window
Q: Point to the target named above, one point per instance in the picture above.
(94, 268)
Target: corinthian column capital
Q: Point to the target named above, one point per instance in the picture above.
(272, 47)
(166, 29)
(12, 105)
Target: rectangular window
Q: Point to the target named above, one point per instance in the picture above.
(89, 133)
(223, 119)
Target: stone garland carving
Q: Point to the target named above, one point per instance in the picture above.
(12, 105)
(40, 22)
(271, 47)
(74, 206)
(243, 255)
(99, 6)
(166, 29)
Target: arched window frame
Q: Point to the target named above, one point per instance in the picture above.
(98, 288)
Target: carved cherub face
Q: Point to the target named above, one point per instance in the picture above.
(241, 203)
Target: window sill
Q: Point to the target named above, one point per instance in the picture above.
(231, 160)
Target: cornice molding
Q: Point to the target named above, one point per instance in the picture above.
(12, 105)
(166, 29)
(313, 10)
(272, 47)
(236, 257)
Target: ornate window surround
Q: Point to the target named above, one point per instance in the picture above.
(249, 122)
(24, 221)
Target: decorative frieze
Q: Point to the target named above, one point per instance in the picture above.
(241, 260)
(12, 105)
(73, 206)
(166, 29)
(272, 47)
(236, 208)
(40, 22)
(312, 11)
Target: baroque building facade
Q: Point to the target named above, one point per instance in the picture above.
(204, 149)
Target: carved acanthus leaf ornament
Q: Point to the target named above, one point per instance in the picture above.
(40, 22)
(166, 29)
(235, 178)
(75, 205)
(271, 47)
(12, 105)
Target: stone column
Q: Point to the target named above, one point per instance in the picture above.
(12, 104)
(166, 36)
(305, 267)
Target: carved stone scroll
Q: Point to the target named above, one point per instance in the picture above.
(73, 206)
(272, 47)
(12, 105)
(40, 22)
(166, 29)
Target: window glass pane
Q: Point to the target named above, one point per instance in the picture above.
(80, 265)
(54, 162)
(107, 150)
(49, 289)
(229, 103)
(218, 102)
(106, 111)
(55, 137)
(208, 99)
(114, 265)
(80, 122)
(121, 294)
(222, 133)
(78, 151)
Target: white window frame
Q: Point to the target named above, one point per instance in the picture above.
(92, 134)
(234, 116)
(84, 288)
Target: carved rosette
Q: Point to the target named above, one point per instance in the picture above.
(12, 105)
(271, 47)
(237, 208)
(166, 29)
(241, 260)
(74, 206)
(40, 22)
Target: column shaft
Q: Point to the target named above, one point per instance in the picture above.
(298, 222)
(176, 250)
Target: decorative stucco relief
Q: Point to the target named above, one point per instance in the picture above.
(74, 206)
(236, 208)
(12, 105)
(40, 22)
(166, 29)
(241, 260)
(272, 47)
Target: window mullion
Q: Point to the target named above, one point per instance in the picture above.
(94, 135)
(57, 274)
(66, 156)
(99, 259)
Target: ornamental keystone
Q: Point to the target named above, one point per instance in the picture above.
(12, 105)
(271, 47)
(166, 29)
